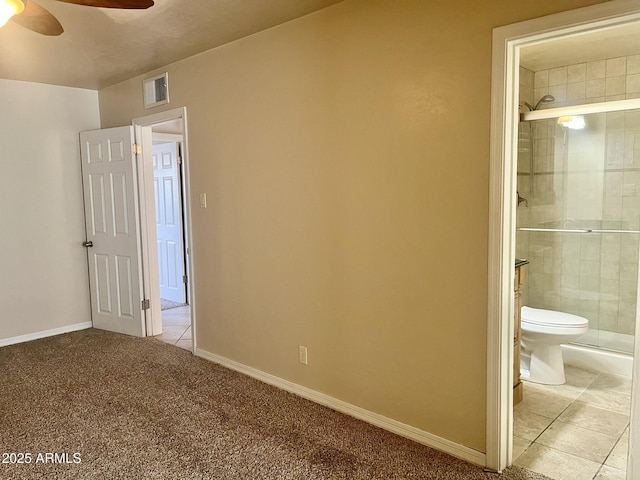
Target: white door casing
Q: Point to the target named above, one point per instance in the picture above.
(169, 221)
(110, 187)
(507, 42)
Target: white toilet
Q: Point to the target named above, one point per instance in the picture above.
(543, 331)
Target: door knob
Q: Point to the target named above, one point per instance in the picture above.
(87, 244)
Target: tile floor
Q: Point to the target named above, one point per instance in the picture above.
(576, 431)
(176, 327)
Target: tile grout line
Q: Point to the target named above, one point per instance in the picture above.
(614, 447)
(556, 419)
(544, 430)
(186, 325)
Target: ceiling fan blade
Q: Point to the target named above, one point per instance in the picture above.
(130, 4)
(38, 19)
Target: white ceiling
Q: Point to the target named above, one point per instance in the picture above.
(606, 43)
(101, 47)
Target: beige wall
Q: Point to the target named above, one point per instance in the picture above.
(345, 156)
(44, 283)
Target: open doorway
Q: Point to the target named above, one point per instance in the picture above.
(166, 184)
(508, 44)
(167, 176)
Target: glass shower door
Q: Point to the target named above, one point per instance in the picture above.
(579, 221)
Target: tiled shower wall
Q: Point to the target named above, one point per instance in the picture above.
(590, 82)
(589, 182)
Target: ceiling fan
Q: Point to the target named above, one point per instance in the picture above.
(29, 14)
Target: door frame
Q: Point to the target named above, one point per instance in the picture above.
(144, 134)
(507, 42)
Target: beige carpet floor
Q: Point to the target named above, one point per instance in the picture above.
(132, 408)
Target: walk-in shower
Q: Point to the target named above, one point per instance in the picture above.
(578, 222)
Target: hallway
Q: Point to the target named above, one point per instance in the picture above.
(176, 327)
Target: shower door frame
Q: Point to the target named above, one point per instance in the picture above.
(585, 110)
(507, 42)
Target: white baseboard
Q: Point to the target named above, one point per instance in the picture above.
(46, 333)
(455, 449)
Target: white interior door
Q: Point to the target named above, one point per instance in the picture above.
(169, 221)
(109, 178)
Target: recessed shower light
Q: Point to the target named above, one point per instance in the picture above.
(575, 122)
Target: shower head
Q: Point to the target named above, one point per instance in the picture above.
(545, 99)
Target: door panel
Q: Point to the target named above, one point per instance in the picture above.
(97, 218)
(112, 223)
(102, 283)
(169, 221)
(120, 204)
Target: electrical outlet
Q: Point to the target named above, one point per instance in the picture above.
(302, 355)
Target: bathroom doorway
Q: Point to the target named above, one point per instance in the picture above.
(577, 223)
(575, 26)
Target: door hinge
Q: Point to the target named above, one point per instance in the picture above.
(136, 149)
(185, 279)
(146, 304)
(179, 160)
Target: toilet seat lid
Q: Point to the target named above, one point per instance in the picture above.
(539, 316)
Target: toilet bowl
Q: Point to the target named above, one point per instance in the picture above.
(543, 331)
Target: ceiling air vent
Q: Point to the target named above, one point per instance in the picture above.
(156, 90)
